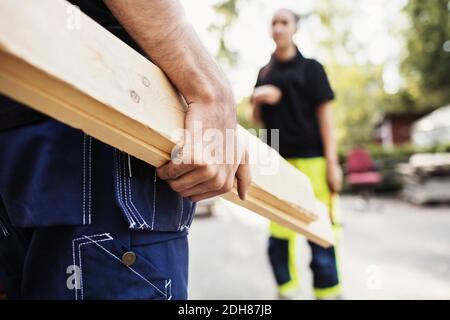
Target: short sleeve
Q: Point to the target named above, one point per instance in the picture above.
(265, 77)
(319, 84)
(258, 80)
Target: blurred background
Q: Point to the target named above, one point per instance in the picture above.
(389, 64)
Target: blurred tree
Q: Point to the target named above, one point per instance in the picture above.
(359, 88)
(244, 114)
(332, 13)
(228, 12)
(427, 66)
(358, 105)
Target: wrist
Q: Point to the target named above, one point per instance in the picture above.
(332, 163)
(256, 98)
(218, 103)
(209, 92)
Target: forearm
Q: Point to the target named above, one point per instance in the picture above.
(327, 131)
(161, 29)
(260, 97)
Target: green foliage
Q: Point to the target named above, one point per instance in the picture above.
(228, 13)
(244, 114)
(357, 107)
(427, 66)
(359, 88)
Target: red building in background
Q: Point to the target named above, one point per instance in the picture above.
(395, 128)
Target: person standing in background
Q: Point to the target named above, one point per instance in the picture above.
(293, 94)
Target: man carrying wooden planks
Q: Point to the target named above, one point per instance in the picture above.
(82, 220)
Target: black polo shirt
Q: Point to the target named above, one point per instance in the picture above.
(13, 113)
(305, 86)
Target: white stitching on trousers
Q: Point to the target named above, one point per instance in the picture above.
(119, 189)
(73, 257)
(90, 180)
(168, 288)
(181, 214)
(79, 260)
(154, 200)
(84, 180)
(124, 189)
(87, 181)
(144, 223)
(191, 217)
(4, 230)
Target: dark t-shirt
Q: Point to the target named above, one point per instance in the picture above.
(304, 86)
(98, 11)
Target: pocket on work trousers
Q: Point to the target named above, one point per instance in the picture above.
(109, 269)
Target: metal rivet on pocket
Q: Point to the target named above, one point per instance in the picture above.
(129, 258)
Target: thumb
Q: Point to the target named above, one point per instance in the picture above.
(244, 177)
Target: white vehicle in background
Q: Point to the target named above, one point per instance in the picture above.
(433, 129)
(426, 178)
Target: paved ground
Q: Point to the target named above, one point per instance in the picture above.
(394, 251)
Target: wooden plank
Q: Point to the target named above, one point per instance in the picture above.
(316, 231)
(15, 78)
(92, 81)
(28, 80)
